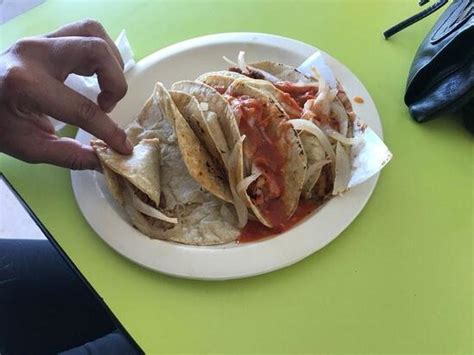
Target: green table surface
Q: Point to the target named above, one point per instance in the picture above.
(398, 280)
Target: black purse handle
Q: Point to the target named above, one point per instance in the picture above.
(415, 18)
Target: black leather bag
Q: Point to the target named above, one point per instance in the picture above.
(441, 77)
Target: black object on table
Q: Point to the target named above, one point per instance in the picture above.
(441, 77)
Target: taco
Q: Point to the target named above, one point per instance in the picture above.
(160, 112)
(331, 127)
(209, 115)
(214, 107)
(268, 180)
(273, 161)
(316, 156)
(327, 138)
(155, 187)
(223, 79)
(204, 124)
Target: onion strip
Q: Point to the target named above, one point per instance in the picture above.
(341, 138)
(343, 170)
(308, 126)
(234, 64)
(341, 115)
(242, 65)
(147, 209)
(234, 177)
(241, 62)
(245, 183)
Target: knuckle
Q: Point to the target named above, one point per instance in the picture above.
(87, 111)
(92, 28)
(97, 47)
(24, 45)
(75, 162)
(27, 45)
(14, 78)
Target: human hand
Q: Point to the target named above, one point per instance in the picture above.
(32, 75)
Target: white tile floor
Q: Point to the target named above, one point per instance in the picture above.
(15, 222)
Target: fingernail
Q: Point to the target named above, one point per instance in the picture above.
(129, 145)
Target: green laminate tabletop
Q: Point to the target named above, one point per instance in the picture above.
(398, 280)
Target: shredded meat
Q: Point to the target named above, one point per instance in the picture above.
(323, 188)
(341, 94)
(263, 190)
(142, 196)
(251, 73)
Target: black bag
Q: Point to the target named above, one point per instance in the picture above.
(441, 77)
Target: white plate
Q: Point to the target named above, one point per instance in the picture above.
(186, 60)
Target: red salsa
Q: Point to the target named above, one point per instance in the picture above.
(219, 88)
(299, 93)
(254, 230)
(265, 147)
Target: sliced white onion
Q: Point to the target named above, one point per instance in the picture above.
(341, 115)
(241, 62)
(204, 106)
(217, 134)
(245, 183)
(304, 85)
(308, 126)
(234, 64)
(269, 77)
(148, 210)
(234, 177)
(242, 65)
(343, 170)
(340, 138)
(325, 94)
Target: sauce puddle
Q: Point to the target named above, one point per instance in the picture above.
(254, 231)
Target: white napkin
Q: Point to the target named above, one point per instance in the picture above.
(317, 60)
(88, 86)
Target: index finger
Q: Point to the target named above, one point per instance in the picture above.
(88, 28)
(65, 104)
(87, 56)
